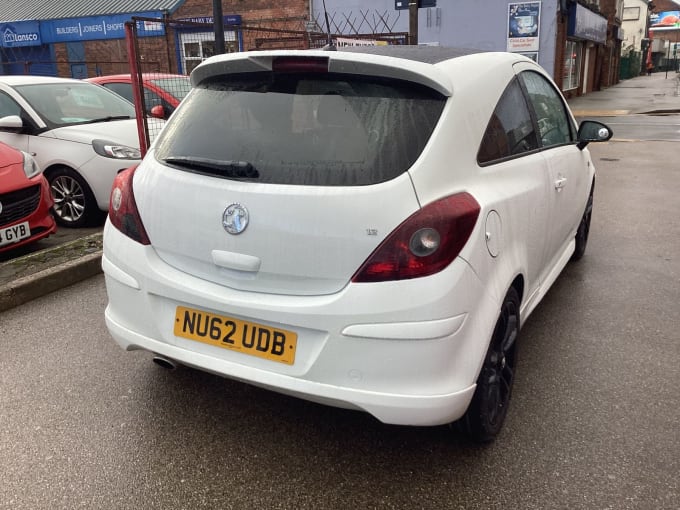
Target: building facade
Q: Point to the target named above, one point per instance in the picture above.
(577, 41)
(79, 39)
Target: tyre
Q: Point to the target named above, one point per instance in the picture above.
(583, 229)
(484, 418)
(74, 203)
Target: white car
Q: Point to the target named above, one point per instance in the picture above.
(365, 230)
(79, 133)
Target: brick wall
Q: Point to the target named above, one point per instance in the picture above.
(287, 16)
(250, 10)
(110, 56)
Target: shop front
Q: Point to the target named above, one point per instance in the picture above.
(33, 47)
(584, 50)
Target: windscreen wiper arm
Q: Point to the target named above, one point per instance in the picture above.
(108, 119)
(231, 168)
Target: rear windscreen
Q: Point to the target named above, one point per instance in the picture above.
(310, 129)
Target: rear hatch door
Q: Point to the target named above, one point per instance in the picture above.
(284, 182)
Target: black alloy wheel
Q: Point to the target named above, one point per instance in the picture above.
(484, 418)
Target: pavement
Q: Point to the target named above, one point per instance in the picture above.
(657, 94)
(30, 276)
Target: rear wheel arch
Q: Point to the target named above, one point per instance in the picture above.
(518, 285)
(583, 231)
(486, 413)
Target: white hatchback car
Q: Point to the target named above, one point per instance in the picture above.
(365, 230)
(79, 133)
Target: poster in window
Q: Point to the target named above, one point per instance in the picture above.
(523, 26)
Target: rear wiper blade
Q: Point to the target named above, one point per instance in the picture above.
(230, 168)
(108, 119)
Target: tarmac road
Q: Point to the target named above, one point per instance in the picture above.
(593, 423)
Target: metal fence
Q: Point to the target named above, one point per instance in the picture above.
(186, 43)
(631, 65)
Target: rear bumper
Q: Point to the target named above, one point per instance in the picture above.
(406, 352)
(421, 410)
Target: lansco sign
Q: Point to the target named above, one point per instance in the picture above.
(25, 34)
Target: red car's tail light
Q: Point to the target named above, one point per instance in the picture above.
(123, 212)
(425, 243)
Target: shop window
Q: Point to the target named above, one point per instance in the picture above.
(572, 65)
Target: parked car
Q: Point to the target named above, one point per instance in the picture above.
(25, 200)
(162, 91)
(368, 229)
(80, 134)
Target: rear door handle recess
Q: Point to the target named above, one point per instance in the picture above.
(560, 182)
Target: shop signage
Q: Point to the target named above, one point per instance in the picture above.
(403, 4)
(98, 27)
(524, 21)
(585, 24)
(22, 33)
(232, 19)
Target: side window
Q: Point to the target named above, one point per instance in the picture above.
(510, 130)
(152, 99)
(554, 124)
(122, 89)
(8, 106)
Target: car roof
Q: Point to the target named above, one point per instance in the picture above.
(434, 66)
(145, 76)
(424, 53)
(13, 80)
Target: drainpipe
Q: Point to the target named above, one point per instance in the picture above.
(413, 22)
(218, 26)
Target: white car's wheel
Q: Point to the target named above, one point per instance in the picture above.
(74, 203)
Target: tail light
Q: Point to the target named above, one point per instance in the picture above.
(425, 243)
(123, 212)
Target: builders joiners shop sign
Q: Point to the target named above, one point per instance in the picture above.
(25, 33)
(523, 26)
(98, 27)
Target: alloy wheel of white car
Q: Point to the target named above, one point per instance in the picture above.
(73, 205)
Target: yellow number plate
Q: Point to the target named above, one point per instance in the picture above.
(246, 337)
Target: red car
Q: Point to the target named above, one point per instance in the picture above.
(25, 200)
(162, 92)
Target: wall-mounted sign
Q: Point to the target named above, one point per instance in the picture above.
(403, 4)
(667, 20)
(524, 21)
(585, 24)
(231, 19)
(98, 27)
(21, 33)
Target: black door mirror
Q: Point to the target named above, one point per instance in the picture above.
(592, 131)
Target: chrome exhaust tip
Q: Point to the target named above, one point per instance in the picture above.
(164, 362)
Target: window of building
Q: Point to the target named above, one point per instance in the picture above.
(572, 65)
(198, 46)
(631, 13)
